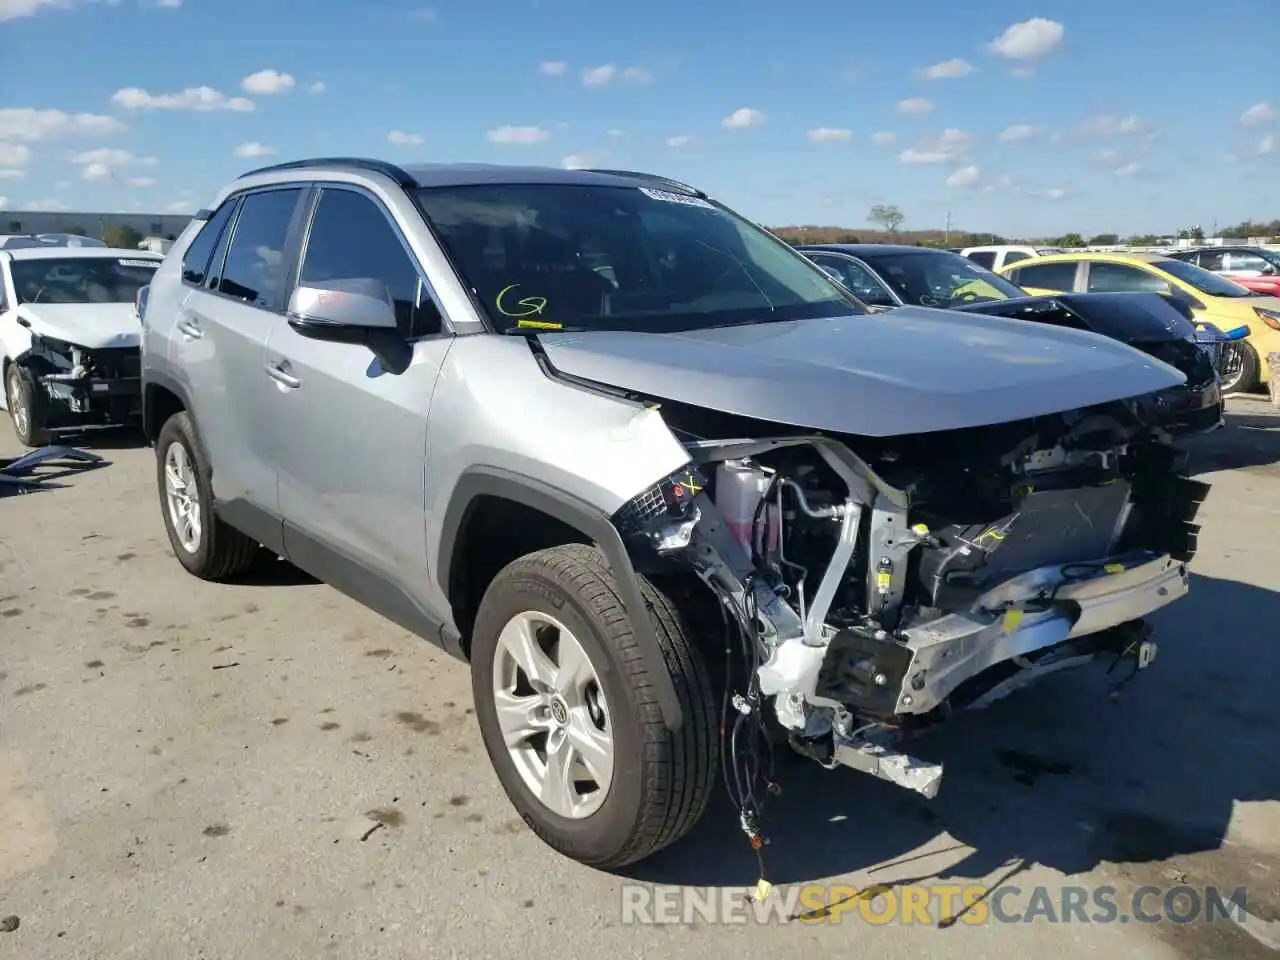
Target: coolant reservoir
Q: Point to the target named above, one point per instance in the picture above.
(739, 488)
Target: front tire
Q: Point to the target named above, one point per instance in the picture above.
(28, 406)
(568, 715)
(1245, 368)
(203, 544)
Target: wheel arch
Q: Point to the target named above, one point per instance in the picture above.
(479, 486)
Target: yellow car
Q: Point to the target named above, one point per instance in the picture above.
(1213, 299)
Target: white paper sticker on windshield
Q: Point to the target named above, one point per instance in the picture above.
(674, 197)
(153, 264)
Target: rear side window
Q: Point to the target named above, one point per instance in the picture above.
(1119, 278)
(1013, 256)
(351, 238)
(1046, 276)
(254, 270)
(195, 262)
(983, 258)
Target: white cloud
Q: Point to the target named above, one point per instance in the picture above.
(964, 177)
(552, 68)
(149, 161)
(6, 174)
(1129, 169)
(913, 157)
(599, 76)
(1266, 145)
(827, 134)
(521, 135)
(267, 82)
(253, 148)
(1112, 126)
(425, 14)
(916, 106)
(682, 140)
(948, 69)
(198, 99)
(4, 203)
(636, 75)
(1019, 131)
(14, 154)
(45, 206)
(402, 139)
(1259, 113)
(742, 118)
(26, 123)
(884, 138)
(179, 206)
(1049, 193)
(316, 87)
(106, 157)
(141, 182)
(1028, 40)
(169, 4)
(96, 172)
(16, 9)
(580, 161)
(617, 133)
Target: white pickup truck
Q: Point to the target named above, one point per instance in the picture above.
(995, 257)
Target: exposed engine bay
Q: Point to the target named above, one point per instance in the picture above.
(879, 584)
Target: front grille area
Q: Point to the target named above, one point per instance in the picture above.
(114, 363)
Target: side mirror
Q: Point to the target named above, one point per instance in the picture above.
(345, 311)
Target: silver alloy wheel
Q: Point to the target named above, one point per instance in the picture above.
(182, 496)
(13, 400)
(552, 713)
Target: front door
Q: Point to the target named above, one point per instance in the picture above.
(349, 436)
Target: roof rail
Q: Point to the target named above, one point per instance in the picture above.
(653, 177)
(398, 174)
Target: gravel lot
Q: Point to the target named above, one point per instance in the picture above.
(180, 764)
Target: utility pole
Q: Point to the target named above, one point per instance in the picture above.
(946, 236)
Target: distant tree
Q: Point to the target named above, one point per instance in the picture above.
(15, 226)
(123, 236)
(1143, 240)
(1070, 240)
(887, 216)
(1106, 240)
(1194, 233)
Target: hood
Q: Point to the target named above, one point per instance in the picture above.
(1136, 318)
(92, 325)
(912, 370)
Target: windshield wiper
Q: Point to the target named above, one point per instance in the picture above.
(517, 331)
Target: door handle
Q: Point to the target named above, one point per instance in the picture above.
(279, 372)
(189, 328)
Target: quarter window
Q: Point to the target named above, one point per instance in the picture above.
(195, 262)
(1119, 278)
(1060, 277)
(352, 239)
(983, 258)
(255, 259)
(1014, 256)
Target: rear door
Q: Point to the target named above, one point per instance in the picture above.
(350, 435)
(220, 341)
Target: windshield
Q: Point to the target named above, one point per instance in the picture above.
(1271, 256)
(568, 256)
(1201, 279)
(81, 279)
(934, 278)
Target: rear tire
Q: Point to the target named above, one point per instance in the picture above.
(28, 406)
(660, 781)
(209, 548)
(1248, 368)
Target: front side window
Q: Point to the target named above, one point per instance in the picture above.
(1013, 256)
(351, 239)
(984, 258)
(1207, 283)
(860, 281)
(620, 257)
(1058, 277)
(81, 279)
(1210, 260)
(934, 278)
(1120, 278)
(1247, 261)
(254, 268)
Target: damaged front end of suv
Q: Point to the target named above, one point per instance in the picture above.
(880, 583)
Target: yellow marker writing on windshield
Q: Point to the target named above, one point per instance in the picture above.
(525, 307)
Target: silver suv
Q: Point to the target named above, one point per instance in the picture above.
(671, 491)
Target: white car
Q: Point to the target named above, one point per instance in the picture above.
(70, 336)
(995, 257)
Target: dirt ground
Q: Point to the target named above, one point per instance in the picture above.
(181, 763)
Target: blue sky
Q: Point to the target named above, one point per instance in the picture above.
(1085, 115)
